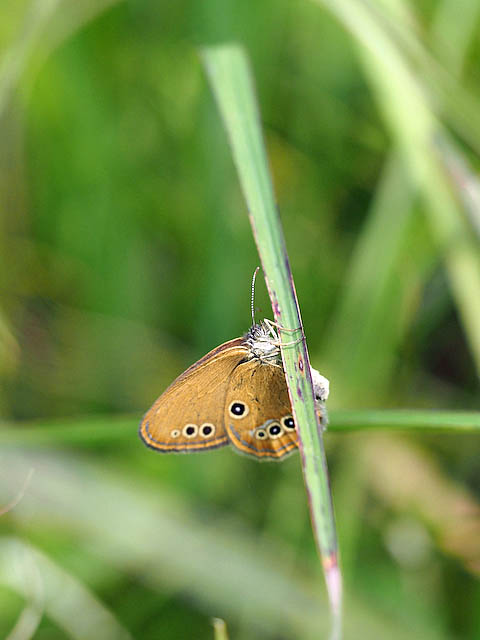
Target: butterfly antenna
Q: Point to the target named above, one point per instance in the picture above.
(253, 295)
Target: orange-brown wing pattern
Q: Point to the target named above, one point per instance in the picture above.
(188, 416)
(258, 415)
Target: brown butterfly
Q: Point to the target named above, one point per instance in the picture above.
(236, 394)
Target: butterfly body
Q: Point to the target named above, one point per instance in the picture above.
(236, 394)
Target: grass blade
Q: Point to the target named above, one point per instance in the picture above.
(406, 420)
(231, 82)
(219, 629)
(399, 94)
(52, 590)
(92, 432)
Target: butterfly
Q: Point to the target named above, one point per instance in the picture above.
(237, 395)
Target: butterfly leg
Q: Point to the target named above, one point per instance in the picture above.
(271, 324)
(274, 333)
(289, 344)
(322, 415)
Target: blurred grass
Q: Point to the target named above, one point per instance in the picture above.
(188, 554)
(122, 430)
(53, 592)
(117, 271)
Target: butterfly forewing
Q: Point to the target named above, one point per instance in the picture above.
(189, 415)
(258, 416)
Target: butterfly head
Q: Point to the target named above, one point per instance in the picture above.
(263, 343)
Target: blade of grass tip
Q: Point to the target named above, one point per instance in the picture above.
(219, 629)
(231, 82)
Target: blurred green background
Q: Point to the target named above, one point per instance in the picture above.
(126, 254)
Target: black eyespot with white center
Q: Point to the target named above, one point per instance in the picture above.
(207, 430)
(288, 423)
(261, 434)
(238, 409)
(275, 430)
(190, 430)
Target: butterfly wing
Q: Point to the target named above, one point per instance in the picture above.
(188, 416)
(258, 415)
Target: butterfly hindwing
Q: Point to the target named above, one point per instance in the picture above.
(188, 416)
(258, 415)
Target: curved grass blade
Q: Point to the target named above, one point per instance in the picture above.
(400, 93)
(57, 593)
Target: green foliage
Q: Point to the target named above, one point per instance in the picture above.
(126, 253)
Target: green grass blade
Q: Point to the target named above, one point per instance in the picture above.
(219, 629)
(406, 420)
(92, 432)
(231, 82)
(400, 94)
(383, 246)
